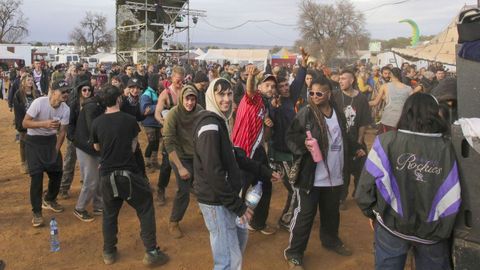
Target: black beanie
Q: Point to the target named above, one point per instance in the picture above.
(200, 77)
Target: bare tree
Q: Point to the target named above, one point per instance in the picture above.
(13, 26)
(328, 30)
(92, 33)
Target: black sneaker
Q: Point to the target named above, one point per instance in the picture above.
(341, 250)
(98, 212)
(155, 257)
(37, 220)
(52, 205)
(110, 257)
(64, 194)
(83, 215)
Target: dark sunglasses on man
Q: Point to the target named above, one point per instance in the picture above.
(86, 89)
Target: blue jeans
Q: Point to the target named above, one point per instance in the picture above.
(228, 242)
(391, 252)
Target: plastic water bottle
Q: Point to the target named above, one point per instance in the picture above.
(54, 242)
(316, 153)
(252, 198)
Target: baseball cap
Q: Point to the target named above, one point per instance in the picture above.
(133, 82)
(189, 90)
(61, 85)
(267, 77)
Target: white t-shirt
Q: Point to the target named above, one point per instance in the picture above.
(335, 157)
(41, 110)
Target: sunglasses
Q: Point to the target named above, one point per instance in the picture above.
(318, 94)
(86, 90)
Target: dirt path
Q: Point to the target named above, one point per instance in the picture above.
(24, 247)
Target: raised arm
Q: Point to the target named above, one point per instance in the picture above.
(297, 84)
(252, 71)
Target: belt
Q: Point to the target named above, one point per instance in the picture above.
(114, 184)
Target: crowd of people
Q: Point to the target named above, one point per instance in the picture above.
(224, 128)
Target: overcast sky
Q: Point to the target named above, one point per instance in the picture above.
(53, 20)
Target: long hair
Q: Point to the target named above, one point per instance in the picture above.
(24, 88)
(319, 117)
(421, 113)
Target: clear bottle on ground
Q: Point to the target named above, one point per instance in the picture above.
(54, 242)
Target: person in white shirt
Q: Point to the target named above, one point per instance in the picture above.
(46, 122)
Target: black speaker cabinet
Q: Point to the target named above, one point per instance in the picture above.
(465, 255)
(468, 88)
(466, 243)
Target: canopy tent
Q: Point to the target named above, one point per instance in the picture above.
(211, 56)
(440, 49)
(198, 51)
(105, 57)
(284, 57)
(258, 57)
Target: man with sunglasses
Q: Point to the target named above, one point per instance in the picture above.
(354, 104)
(46, 121)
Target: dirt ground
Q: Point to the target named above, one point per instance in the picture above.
(25, 247)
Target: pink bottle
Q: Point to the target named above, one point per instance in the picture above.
(316, 153)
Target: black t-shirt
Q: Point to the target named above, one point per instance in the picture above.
(356, 110)
(115, 133)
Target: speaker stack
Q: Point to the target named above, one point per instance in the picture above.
(466, 242)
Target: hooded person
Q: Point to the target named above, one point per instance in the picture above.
(88, 157)
(76, 98)
(148, 103)
(200, 82)
(219, 179)
(214, 107)
(177, 136)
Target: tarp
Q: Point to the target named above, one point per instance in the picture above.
(440, 49)
(236, 55)
(284, 54)
(105, 57)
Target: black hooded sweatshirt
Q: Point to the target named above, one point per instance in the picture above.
(74, 104)
(218, 166)
(91, 109)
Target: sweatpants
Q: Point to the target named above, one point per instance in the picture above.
(326, 201)
(135, 190)
(182, 197)
(91, 181)
(291, 201)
